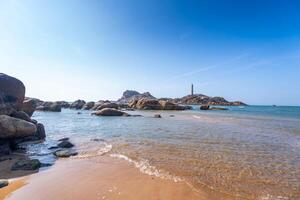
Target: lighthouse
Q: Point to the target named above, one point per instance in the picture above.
(192, 89)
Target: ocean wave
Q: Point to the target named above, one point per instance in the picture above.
(99, 152)
(144, 167)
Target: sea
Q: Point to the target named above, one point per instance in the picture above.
(247, 152)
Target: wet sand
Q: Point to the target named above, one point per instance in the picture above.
(99, 178)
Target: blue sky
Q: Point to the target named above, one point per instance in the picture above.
(70, 49)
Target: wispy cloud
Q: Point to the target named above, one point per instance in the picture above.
(210, 67)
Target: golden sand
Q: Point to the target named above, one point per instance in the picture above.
(99, 178)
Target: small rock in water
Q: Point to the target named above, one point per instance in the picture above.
(98, 140)
(3, 183)
(65, 144)
(78, 113)
(65, 153)
(64, 139)
(25, 164)
(157, 116)
(172, 115)
(53, 147)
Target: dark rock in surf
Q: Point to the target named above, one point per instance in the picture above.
(26, 164)
(65, 153)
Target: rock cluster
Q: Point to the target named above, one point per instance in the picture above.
(16, 124)
(154, 104)
(130, 95)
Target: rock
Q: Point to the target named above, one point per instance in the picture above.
(130, 95)
(4, 147)
(148, 104)
(63, 104)
(6, 109)
(26, 164)
(40, 133)
(77, 104)
(109, 112)
(167, 105)
(12, 127)
(204, 107)
(108, 105)
(65, 153)
(29, 106)
(64, 139)
(21, 115)
(3, 183)
(217, 108)
(78, 113)
(88, 105)
(172, 116)
(50, 106)
(157, 116)
(12, 90)
(65, 144)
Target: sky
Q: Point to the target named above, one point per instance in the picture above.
(96, 49)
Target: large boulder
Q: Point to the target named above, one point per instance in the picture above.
(26, 164)
(6, 109)
(88, 105)
(148, 104)
(130, 95)
(50, 106)
(4, 147)
(110, 112)
(77, 104)
(12, 90)
(21, 115)
(29, 106)
(166, 105)
(12, 127)
(108, 105)
(204, 107)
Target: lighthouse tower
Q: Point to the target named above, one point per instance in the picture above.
(192, 89)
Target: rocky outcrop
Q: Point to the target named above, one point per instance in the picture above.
(200, 99)
(108, 105)
(77, 104)
(88, 105)
(16, 124)
(154, 104)
(130, 95)
(110, 112)
(65, 153)
(49, 106)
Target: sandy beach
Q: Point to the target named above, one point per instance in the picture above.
(98, 178)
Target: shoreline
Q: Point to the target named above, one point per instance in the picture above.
(101, 177)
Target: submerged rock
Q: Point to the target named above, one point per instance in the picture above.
(3, 183)
(110, 112)
(65, 153)
(65, 144)
(25, 164)
(204, 107)
(157, 116)
(64, 139)
(218, 108)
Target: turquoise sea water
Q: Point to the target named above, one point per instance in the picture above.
(249, 152)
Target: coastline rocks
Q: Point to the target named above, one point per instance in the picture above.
(3, 183)
(154, 104)
(65, 144)
(4, 147)
(77, 104)
(49, 106)
(12, 90)
(12, 127)
(88, 105)
(29, 106)
(110, 112)
(65, 153)
(6, 109)
(21, 115)
(40, 133)
(25, 164)
(108, 105)
(218, 108)
(166, 105)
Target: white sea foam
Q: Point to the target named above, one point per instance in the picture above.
(144, 167)
(103, 150)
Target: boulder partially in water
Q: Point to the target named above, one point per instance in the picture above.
(88, 105)
(3, 183)
(78, 104)
(64, 153)
(204, 107)
(49, 106)
(108, 105)
(29, 106)
(110, 112)
(65, 144)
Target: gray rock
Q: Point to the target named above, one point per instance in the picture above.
(21, 115)
(29, 106)
(40, 133)
(110, 112)
(65, 153)
(12, 127)
(26, 164)
(4, 147)
(65, 144)
(6, 109)
(204, 107)
(3, 183)
(108, 105)
(64, 139)
(88, 105)
(77, 104)
(157, 116)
